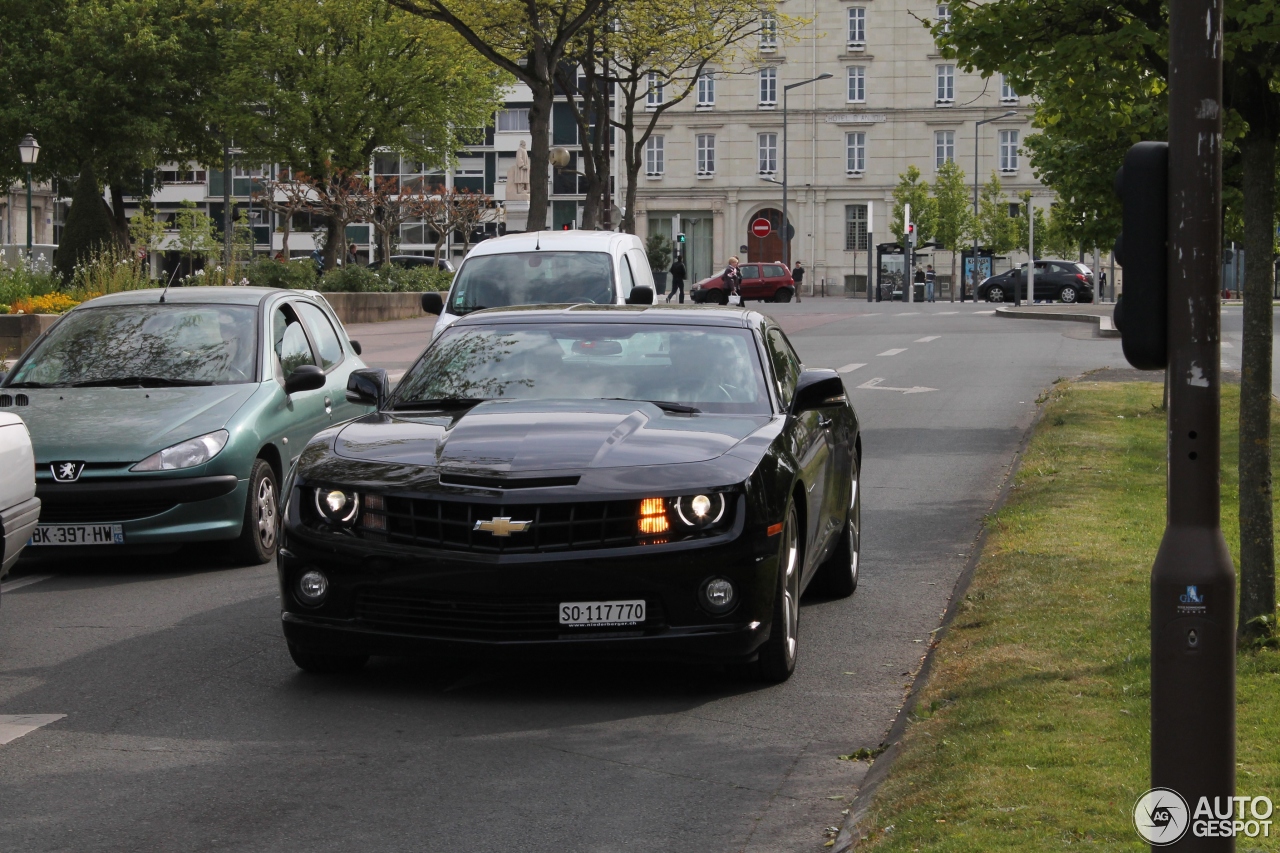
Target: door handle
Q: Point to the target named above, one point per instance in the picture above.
(328, 406)
(824, 422)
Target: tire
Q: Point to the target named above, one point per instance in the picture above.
(995, 293)
(325, 663)
(778, 655)
(1069, 294)
(784, 294)
(837, 577)
(260, 533)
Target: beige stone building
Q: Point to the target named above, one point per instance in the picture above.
(892, 101)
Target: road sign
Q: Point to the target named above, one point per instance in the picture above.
(761, 227)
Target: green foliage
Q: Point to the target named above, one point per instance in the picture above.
(658, 250)
(357, 279)
(292, 275)
(195, 239)
(952, 207)
(109, 271)
(23, 282)
(915, 192)
(351, 278)
(416, 279)
(145, 232)
(88, 229)
(995, 228)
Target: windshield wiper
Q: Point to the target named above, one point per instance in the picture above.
(678, 408)
(28, 385)
(142, 381)
(440, 403)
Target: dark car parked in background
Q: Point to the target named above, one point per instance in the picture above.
(767, 282)
(1056, 281)
(411, 261)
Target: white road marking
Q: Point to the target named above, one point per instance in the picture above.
(21, 582)
(893, 351)
(926, 340)
(850, 368)
(946, 313)
(984, 312)
(907, 314)
(14, 726)
(874, 385)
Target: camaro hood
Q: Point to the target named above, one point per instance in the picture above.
(124, 424)
(517, 436)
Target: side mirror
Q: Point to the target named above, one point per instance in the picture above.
(355, 345)
(305, 377)
(818, 389)
(367, 387)
(433, 303)
(641, 295)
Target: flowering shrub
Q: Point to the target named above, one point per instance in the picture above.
(49, 303)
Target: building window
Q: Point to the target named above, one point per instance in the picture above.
(857, 85)
(944, 16)
(1007, 93)
(944, 147)
(768, 87)
(857, 26)
(707, 89)
(513, 121)
(855, 228)
(654, 156)
(946, 84)
(1008, 150)
(855, 147)
(656, 92)
(768, 148)
(768, 32)
(706, 153)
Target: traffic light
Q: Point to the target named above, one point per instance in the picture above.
(680, 237)
(911, 233)
(1142, 313)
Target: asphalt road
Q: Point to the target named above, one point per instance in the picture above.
(188, 728)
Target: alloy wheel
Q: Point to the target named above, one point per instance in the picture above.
(791, 583)
(995, 294)
(266, 511)
(1068, 294)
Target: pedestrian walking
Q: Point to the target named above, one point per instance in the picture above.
(353, 254)
(1102, 292)
(678, 274)
(930, 279)
(733, 278)
(318, 260)
(798, 275)
(918, 279)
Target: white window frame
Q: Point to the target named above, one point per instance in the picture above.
(1007, 93)
(705, 154)
(945, 84)
(768, 32)
(855, 153)
(856, 84)
(942, 13)
(944, 147)
(768, 87)
(655, 157)
(655, 95)
(513, 118)
(767, 153)
(857, 27)
(706, 94)
(1008, 151)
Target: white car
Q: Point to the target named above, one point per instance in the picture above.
(547, 268)
(19, 506)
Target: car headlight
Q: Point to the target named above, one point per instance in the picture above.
(337, 506)
(700, 511)
(186, 454)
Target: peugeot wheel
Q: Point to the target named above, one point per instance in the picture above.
(995, 293)
(783, 294)
(778, 654)
(260, 532)
(838, 575)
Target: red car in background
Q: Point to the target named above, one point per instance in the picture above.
(767, 282)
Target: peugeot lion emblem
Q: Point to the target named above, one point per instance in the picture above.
(502, 526)
(66, 472)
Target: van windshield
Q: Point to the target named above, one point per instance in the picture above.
(532, 278)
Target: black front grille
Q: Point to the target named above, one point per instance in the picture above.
(451, 525)
(469, 618)
(54, 513)
(7, 400)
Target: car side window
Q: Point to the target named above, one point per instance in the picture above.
(786, 365)
(772, 271)
(327, 340)
(749, 271)
(628, 280)
(289, 340)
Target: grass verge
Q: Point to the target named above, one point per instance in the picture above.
(1033, 731)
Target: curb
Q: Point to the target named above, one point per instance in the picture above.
(850, 834)
(1106, 328)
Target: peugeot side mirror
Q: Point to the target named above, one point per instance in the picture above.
(305, 377)
(433, 303)
(367, 387)
(355, 345)
(818, 389)
(641, 295)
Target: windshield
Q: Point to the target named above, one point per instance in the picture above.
(690, 368)
(532, 278)
(146, 345)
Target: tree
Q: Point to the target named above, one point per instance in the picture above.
(1099, 72)
(394, 205)
(328, 84)
(915, 192)
(343, 197)
(195, 234)
(438, 212)
(994, 227)
(286, 195)
(471, 212)
(88, 230)
(527, 39)
(1057, 238)
(952, 213)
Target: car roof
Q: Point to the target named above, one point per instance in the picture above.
(232, 295)
(684, 315)
(554, 241)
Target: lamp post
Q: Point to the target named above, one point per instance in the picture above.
(786, 240)
(974, 261)
(29, 151)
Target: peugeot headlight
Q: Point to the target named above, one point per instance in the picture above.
(186, 454)
(700, 511)
(337, 506)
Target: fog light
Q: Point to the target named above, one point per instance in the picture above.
(718, 595)
(312, 587)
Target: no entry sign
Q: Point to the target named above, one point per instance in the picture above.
(761, 227)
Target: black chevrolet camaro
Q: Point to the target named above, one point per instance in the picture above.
(603, 481)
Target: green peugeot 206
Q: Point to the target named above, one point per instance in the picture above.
(165, 418)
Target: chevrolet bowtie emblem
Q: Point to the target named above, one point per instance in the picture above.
(502, 526)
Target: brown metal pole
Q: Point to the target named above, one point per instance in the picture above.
(1193, 581)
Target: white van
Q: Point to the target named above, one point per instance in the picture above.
(547, 268)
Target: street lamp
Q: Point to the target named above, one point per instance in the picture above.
(29, 151)
(977, 125)
(786, 242)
